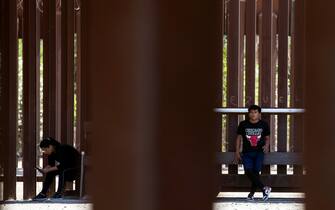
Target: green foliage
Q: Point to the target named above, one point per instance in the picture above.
(20, 98)
(225, 70)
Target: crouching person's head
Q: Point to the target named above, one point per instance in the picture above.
(49, 145)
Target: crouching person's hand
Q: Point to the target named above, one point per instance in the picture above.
(49, 169)
(45, 170)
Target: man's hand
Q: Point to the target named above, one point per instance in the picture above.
(237, 153)
(237, 158)
(266, 149)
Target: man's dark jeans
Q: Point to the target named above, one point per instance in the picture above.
(252, 163)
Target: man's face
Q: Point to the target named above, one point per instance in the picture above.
(254, 115)
(47, 150)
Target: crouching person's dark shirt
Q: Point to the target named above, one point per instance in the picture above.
(66, 156)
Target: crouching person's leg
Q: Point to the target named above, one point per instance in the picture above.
(49, 178)
(61, 182)
(65, 176)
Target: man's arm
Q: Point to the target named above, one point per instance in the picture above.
(266, 147)
(238, 148)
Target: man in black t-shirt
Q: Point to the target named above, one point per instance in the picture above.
(254, 134)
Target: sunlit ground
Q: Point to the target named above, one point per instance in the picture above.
(277, 201)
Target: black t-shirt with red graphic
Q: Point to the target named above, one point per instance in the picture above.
(253, 135)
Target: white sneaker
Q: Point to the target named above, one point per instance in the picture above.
(266, 193)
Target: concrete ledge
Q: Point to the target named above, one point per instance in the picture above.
(46, 205)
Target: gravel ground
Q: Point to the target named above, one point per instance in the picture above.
(277, 201)
(229, 201)
(257, 206)
(222, 204)
(216, 206)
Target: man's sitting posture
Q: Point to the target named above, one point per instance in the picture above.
(254, 133)
(63, 160)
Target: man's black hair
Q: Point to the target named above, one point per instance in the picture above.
(255, 107)
(46, 142)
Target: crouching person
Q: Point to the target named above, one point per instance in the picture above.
(63, 161)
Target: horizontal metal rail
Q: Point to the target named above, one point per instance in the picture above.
(20, 178)
(264, 110)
